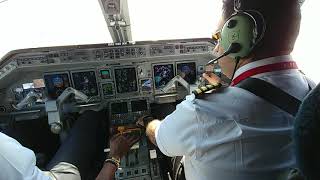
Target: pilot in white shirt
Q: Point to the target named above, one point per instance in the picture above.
(19, 163)
(233, 134)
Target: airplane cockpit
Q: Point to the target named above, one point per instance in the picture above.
(126, 79)
(43, 90)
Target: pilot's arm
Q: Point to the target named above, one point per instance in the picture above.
(174, 136)
(18, 162)
(119, 146)
(181, 132)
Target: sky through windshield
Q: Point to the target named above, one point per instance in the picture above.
(42, 23)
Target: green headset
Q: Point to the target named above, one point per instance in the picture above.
(242, 31)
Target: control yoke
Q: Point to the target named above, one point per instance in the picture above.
(30, 98)
(173, 81)
(54, 108)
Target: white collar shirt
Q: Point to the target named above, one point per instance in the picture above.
(233, 134)
(18, 162)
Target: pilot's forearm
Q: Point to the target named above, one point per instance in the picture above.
(107, 172)
(151, 130)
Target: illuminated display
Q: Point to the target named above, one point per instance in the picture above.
(119, 108)
(85, 82)
(126, 80)
(56, 84)
(140, 105)
(38, 83)
(105, 74)
(107, 89)
(146, 85)
(162, 74)
(187, 71)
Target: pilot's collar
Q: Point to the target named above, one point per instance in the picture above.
(263, 63)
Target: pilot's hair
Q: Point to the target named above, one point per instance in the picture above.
(282, 18)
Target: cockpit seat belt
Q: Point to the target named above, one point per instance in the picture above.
(271, 94)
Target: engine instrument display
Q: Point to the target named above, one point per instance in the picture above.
(85, 82)
(187, 71)
(107, 89)
(56, 84)
(119, 108)
(126, 80)
(162, 74)
(139, 105)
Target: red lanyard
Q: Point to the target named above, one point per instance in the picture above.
(264, 69)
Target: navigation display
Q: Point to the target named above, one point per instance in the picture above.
(56, 84)
(162, 74)
(140, 105)
(126, 80)
(119, 108)
(85, 82)
(187, 71)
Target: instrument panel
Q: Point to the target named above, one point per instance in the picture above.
(124, 79)
(104, 72)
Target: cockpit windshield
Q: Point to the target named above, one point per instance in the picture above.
(44, 23)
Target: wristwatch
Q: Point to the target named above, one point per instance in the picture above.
(113, 161)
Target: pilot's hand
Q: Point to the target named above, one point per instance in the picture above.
(120, 145)
(212, 78)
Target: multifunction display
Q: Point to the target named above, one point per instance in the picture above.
(187, 71)
(126, 80)
(86, 82)
(162, 74)
(56, 84)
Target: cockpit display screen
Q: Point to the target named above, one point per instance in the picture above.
(56, 84)
(162, 74)
(126, 80)
(187, 71)
(85, 82)
(139, 105)
(119, 108)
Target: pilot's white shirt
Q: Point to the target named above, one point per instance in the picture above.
(18, 162)
(233, 134)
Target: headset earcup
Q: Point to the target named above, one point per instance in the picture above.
(239, 28)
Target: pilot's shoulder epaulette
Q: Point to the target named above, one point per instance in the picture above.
(202, 90)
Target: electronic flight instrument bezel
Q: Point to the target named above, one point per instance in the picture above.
(177, 63)
(93, 98)
(52, 74)
(159, 90)
(125, 94)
